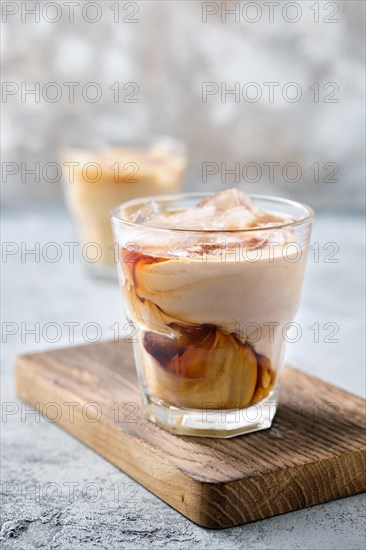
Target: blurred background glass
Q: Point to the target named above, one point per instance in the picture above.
(97, 179)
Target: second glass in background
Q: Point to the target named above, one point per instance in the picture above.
(99, 178)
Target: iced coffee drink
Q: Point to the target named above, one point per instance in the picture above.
(97, 180)
(211, 283)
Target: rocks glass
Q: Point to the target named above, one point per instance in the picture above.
(211, 304)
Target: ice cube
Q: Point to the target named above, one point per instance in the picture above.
(146, 213)
(238, 217)
(225, 200)
(191, 218)
(195, 218)
(195, 245)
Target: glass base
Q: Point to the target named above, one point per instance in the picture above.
(219, 423)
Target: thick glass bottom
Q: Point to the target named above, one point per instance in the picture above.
(219, 423)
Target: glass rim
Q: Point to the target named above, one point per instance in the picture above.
(177, 196)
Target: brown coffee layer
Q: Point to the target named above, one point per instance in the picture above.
(201, 364)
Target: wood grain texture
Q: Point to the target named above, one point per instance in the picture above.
(314, 452)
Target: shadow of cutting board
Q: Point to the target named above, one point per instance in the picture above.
(314, 452)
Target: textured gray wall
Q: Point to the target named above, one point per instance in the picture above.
(170, 50)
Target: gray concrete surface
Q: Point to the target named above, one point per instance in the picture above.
(56, 493)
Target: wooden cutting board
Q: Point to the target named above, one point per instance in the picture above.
(313, 453)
